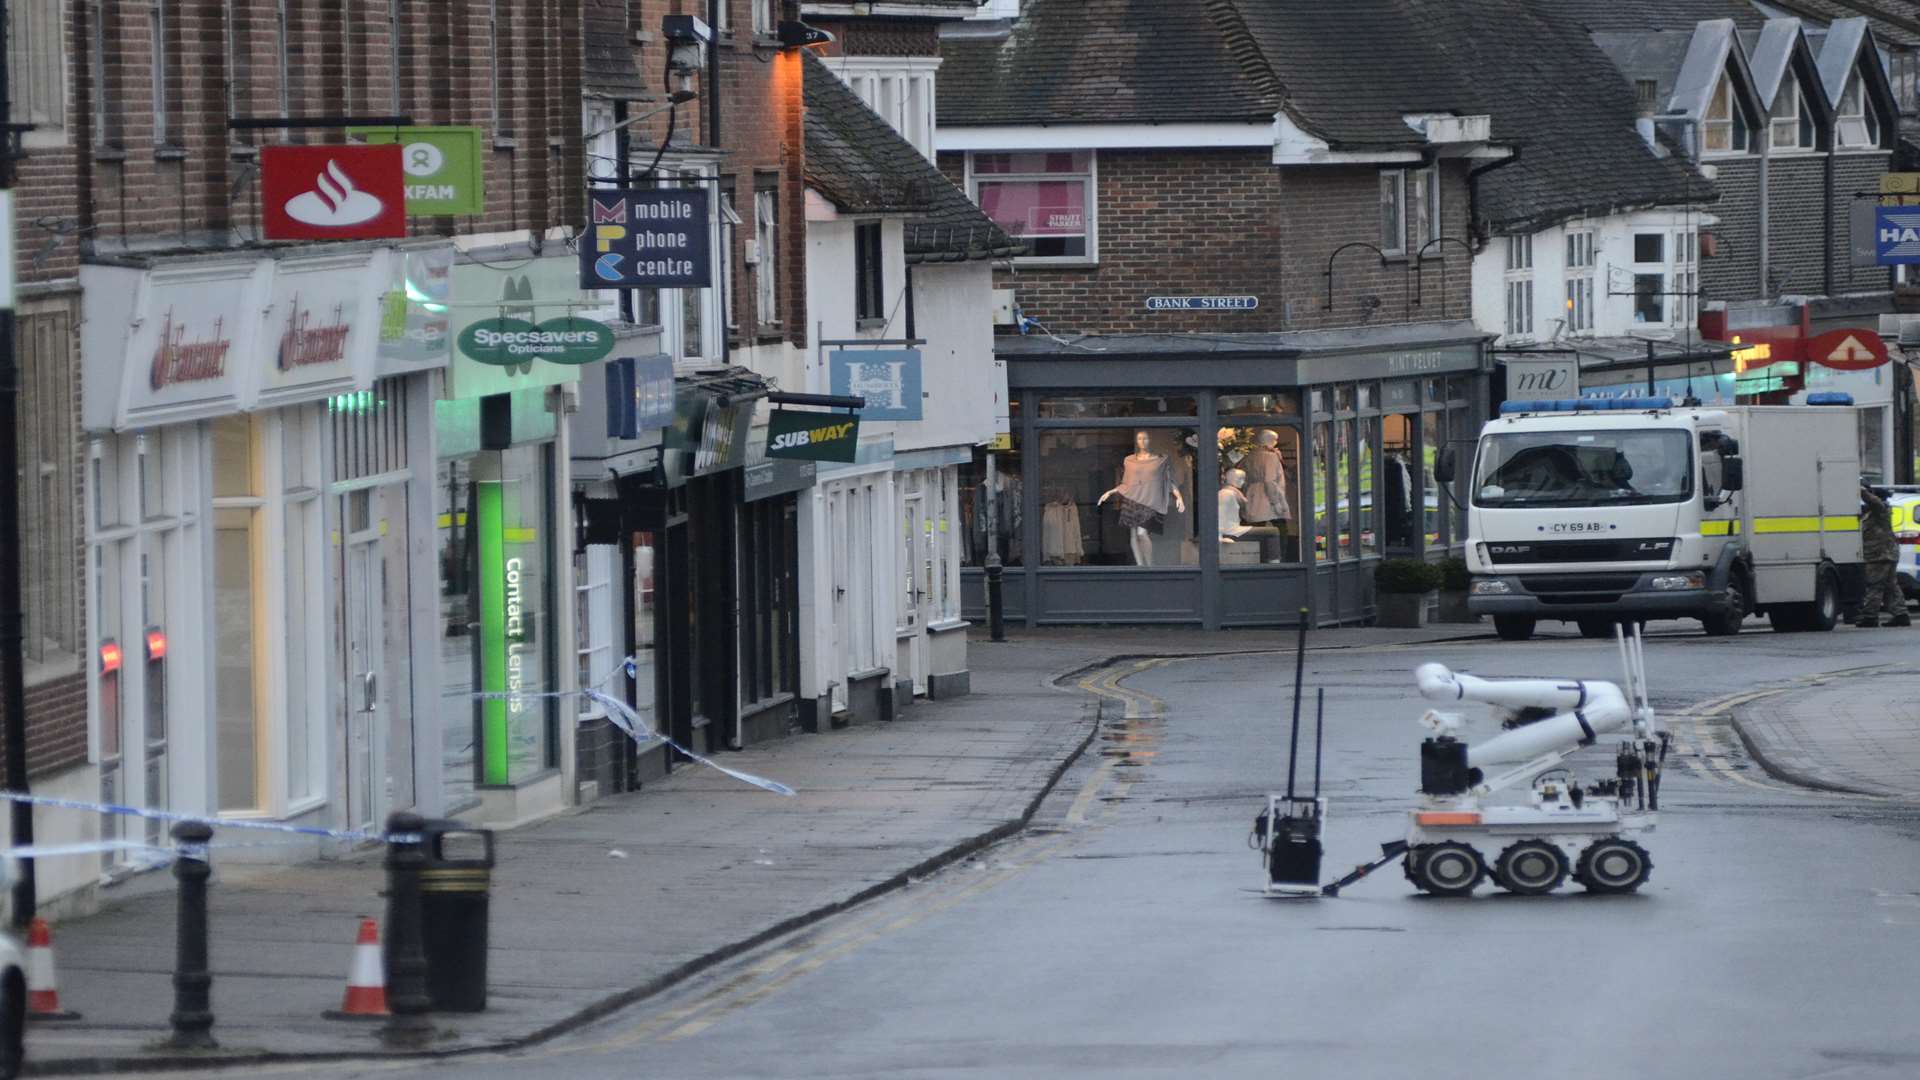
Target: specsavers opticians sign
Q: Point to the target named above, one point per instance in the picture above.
(813, 436)
(505, 342)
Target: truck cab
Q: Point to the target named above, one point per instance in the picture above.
(1598, 512)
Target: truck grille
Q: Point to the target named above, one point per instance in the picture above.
(1632, 549)
(1579, 588)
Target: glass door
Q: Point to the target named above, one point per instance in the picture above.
(364, 653)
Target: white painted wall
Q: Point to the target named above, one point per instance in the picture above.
(1613, 259)
(952, 305)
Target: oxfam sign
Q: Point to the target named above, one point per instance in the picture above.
(504, 342)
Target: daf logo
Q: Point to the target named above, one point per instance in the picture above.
(1509, 549)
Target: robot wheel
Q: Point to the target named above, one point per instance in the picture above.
(1530, 868)
(1445, 869)
(1613, 864)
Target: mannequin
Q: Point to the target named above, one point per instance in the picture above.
(1267, 480)
(1146, 486)
(1233, 500)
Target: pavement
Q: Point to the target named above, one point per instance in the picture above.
(625, 897)
(1857, 733)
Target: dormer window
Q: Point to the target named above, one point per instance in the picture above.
(1790, 125)
(1725, 129)
(1854, 124)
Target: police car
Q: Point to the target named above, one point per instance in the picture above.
(1905, 505)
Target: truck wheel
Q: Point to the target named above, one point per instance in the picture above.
(1726, 621)
(1513, 627)
(1820, 616)
(1530, 868)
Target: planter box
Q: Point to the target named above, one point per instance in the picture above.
(1453, 608)
(1405, 611)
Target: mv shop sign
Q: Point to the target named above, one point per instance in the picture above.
(812, 436)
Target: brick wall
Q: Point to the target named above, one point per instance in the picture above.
(1227, 222)
(1733, 273)
(1796, 226)
(881, 37)
(193, 182)
(1854, 173)
(56, 725)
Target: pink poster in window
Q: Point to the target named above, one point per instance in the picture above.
(1036, 207)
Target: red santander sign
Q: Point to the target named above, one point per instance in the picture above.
(333, 192)
(1848, 350)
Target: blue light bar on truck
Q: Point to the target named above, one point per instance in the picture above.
(1830, 397)
(1627, 404)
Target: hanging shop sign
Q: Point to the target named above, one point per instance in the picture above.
(1848, 350)
(639, 395)
(503, 550)
(775, 477)
(414, 313)
(533, 291)
(332, 192)
(444, 171)
(1542, 377)
(1896, 235)
(1202, 303)
(646, 239)
(813, 436)
(511, 342)
(888, 378)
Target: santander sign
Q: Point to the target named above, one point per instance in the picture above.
(344, 192)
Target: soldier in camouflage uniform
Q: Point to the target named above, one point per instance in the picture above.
(1882, 554)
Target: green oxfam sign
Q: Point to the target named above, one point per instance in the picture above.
(504, 342)
(445, 172)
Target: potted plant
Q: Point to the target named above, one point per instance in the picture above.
(1454, 583)
(1401, 590)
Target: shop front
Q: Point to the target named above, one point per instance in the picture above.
(1230, 483)
(260, 431)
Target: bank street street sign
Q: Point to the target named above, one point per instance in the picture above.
(813, 436)
(506, 341)
(444, 171)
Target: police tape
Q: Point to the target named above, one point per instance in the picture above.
(627, 719)
(148, 814)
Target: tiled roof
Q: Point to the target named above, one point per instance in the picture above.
(1894, 22)
(860, 164)
(1557, 97)
(1098, 61)
(1628, 16)
(608, 70)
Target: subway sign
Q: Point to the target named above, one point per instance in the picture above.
(813, 436)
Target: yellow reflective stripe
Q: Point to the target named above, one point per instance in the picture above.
(1805, 524)
(1719, 528)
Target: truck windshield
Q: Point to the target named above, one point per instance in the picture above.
(1583, 468)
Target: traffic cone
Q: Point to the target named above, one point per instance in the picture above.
(366, 979)
(43, 986)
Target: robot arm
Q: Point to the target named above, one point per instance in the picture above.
(1582, 711)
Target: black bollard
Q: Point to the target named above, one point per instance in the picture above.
(996, 610)
(192, 981)
(406, 957)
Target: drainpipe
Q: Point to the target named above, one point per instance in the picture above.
(712, 98)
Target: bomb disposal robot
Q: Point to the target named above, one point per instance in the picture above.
(1458, 834)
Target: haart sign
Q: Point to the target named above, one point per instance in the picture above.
(332, 192)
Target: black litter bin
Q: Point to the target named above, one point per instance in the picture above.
(454, 887)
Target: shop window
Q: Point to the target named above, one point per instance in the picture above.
(1043, 199)
(1367, 501)
(48, 492)
(1854, 121)
(1434, 504)
(594, 623)
(1726, 126)
(1115, 497)
(768, 600)
(648, 565)
(1278, 403)
(1259, 494)
(1400, 489)
(990, 508)
(1325, 542)
(1116, 407)
(236, 551)
(1460, 426)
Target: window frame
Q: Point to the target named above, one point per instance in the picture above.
(1806, 130)
(1582, 249)
(1738, 125)
(1089, 202)
(1864, 115)
(766, 265)
(869, 274)
(1518, 280)
(38, 71)
(1393, 193)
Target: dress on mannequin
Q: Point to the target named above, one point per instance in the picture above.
(1145, 490)
(1267, 481)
